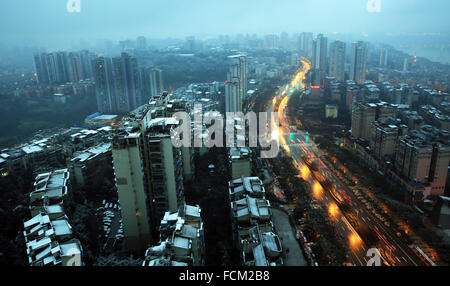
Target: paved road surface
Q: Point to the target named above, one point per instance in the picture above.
(295, 256)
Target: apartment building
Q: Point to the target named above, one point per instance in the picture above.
(253, 230)
(50, 188)
(259, 248)
(181, 105)
(148, 171)
(239, 159)
(48, 234)
(165, 165)
(246, 186)
(88, 164)
(133, 189)
(384, 139)
(50, 242)
(363, 114)
(424, 158)
(181, 240)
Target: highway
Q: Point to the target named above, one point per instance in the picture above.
(298, 145)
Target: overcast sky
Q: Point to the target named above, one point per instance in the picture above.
(47, 22)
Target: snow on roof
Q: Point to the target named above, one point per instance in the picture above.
(162, 121)
(270, 241)
(38, 219)
(4, 155)
(259, 255)
(62, 227)
(189, 231)
(193, 211)
(92, 152)
(105, 117)
(242, 212)
(32, 149)
(54, 209)
(38, 244)
(69, 249)
(181, 242)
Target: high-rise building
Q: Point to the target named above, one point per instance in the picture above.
(383, 57)
(320, 53)
(76, 67)
(62, 67)
(237, 83)
(306, 44)
(423, 161)
(156, 82)
(319, 58)
(126, 80)
(141, 43)
(363, 114)
(405, 64)
(87, 58)
(271, 42)
(385, 111)
(118, 84)
(384, 139)
(104, 85)
(232, 98)
(152, 82)
(284, 41)
(358, 58)
(337, 60)
(148, 171)
(40, 64)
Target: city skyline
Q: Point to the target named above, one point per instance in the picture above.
(29, 19)
(233, 134)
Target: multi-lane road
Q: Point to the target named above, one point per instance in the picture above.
(394, 249)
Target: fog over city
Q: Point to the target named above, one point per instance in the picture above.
(49, 24)
(232, 133)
